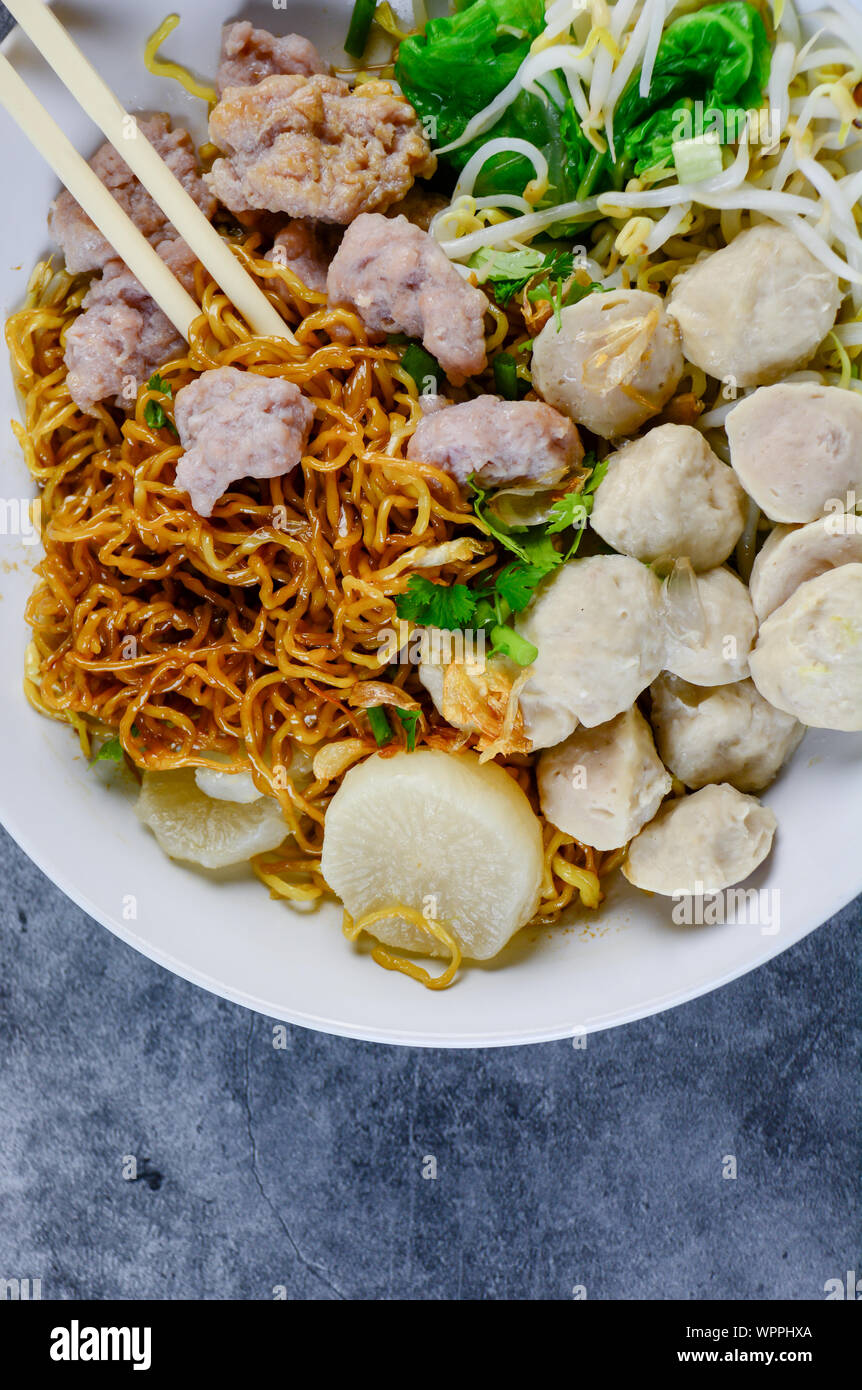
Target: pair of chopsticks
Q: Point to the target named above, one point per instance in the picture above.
(98, 101)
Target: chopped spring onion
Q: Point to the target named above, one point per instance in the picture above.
(697, 159)
(409, 718)
(380, 726)
(360, 27)
(510, 643)
(509, 385)
(423, 368)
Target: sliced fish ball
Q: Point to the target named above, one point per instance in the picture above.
(710, 632)
(613, 362)
(756, 309)
(727, 733)
(439, 833)
(668, 494)
(797, 448)
(701, 843)
(597, 628)
(792, 555)
(603, 784)
(808, 658)
(192, 826)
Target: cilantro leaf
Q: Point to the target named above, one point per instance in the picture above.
(153, 412)
(436, 605)
(409, 718)
(515, 584)
(111, 751)
(571, 510)
(597, 475)
(498, 529)
(380, 726)
(509, 272)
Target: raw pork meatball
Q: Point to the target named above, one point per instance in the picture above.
(796, 447)
(122, 336)
(235, 424)
(668, 494)
(306, 249)
(701, 843)
(757, 309)
(727, 733)
(709, 629)
(500, 441)
(603, 784)
(793, 554)
(82, 244)
(596, 625)
(399, 281)
(808, 658)
(311, 147)
(613, 364)
(248, 55)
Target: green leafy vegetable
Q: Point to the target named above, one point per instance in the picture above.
(462, 61)
(153, 412)
(423, 368)
(517, 581)
(718, 56)
(509, 272)
(714, 60)
(456, 68)
(409, 718)
(380, 726)
(436, 605)
(571, 510)
(360, 27)
(488, 606)
(111, 751)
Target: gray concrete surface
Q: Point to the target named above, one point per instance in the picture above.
(302, 1169)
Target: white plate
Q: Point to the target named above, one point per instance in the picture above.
(628, 962)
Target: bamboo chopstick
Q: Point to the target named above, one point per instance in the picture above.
(96, 98)
(99, 205)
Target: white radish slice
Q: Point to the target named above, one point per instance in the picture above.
(449, 838)
(227, 786)
(192, 826)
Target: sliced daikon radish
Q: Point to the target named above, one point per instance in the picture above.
(442, 835)
(192, 826)
(227, 786)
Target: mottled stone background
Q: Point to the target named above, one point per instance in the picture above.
(303, 1168)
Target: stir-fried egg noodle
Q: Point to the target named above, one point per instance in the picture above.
(250, 640)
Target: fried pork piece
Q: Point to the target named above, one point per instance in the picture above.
(248, 55)
(311, 147)
(306, 248)
(235, 424)
(122, 336)
(82, 244)
(399, 281)
(501, 441)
